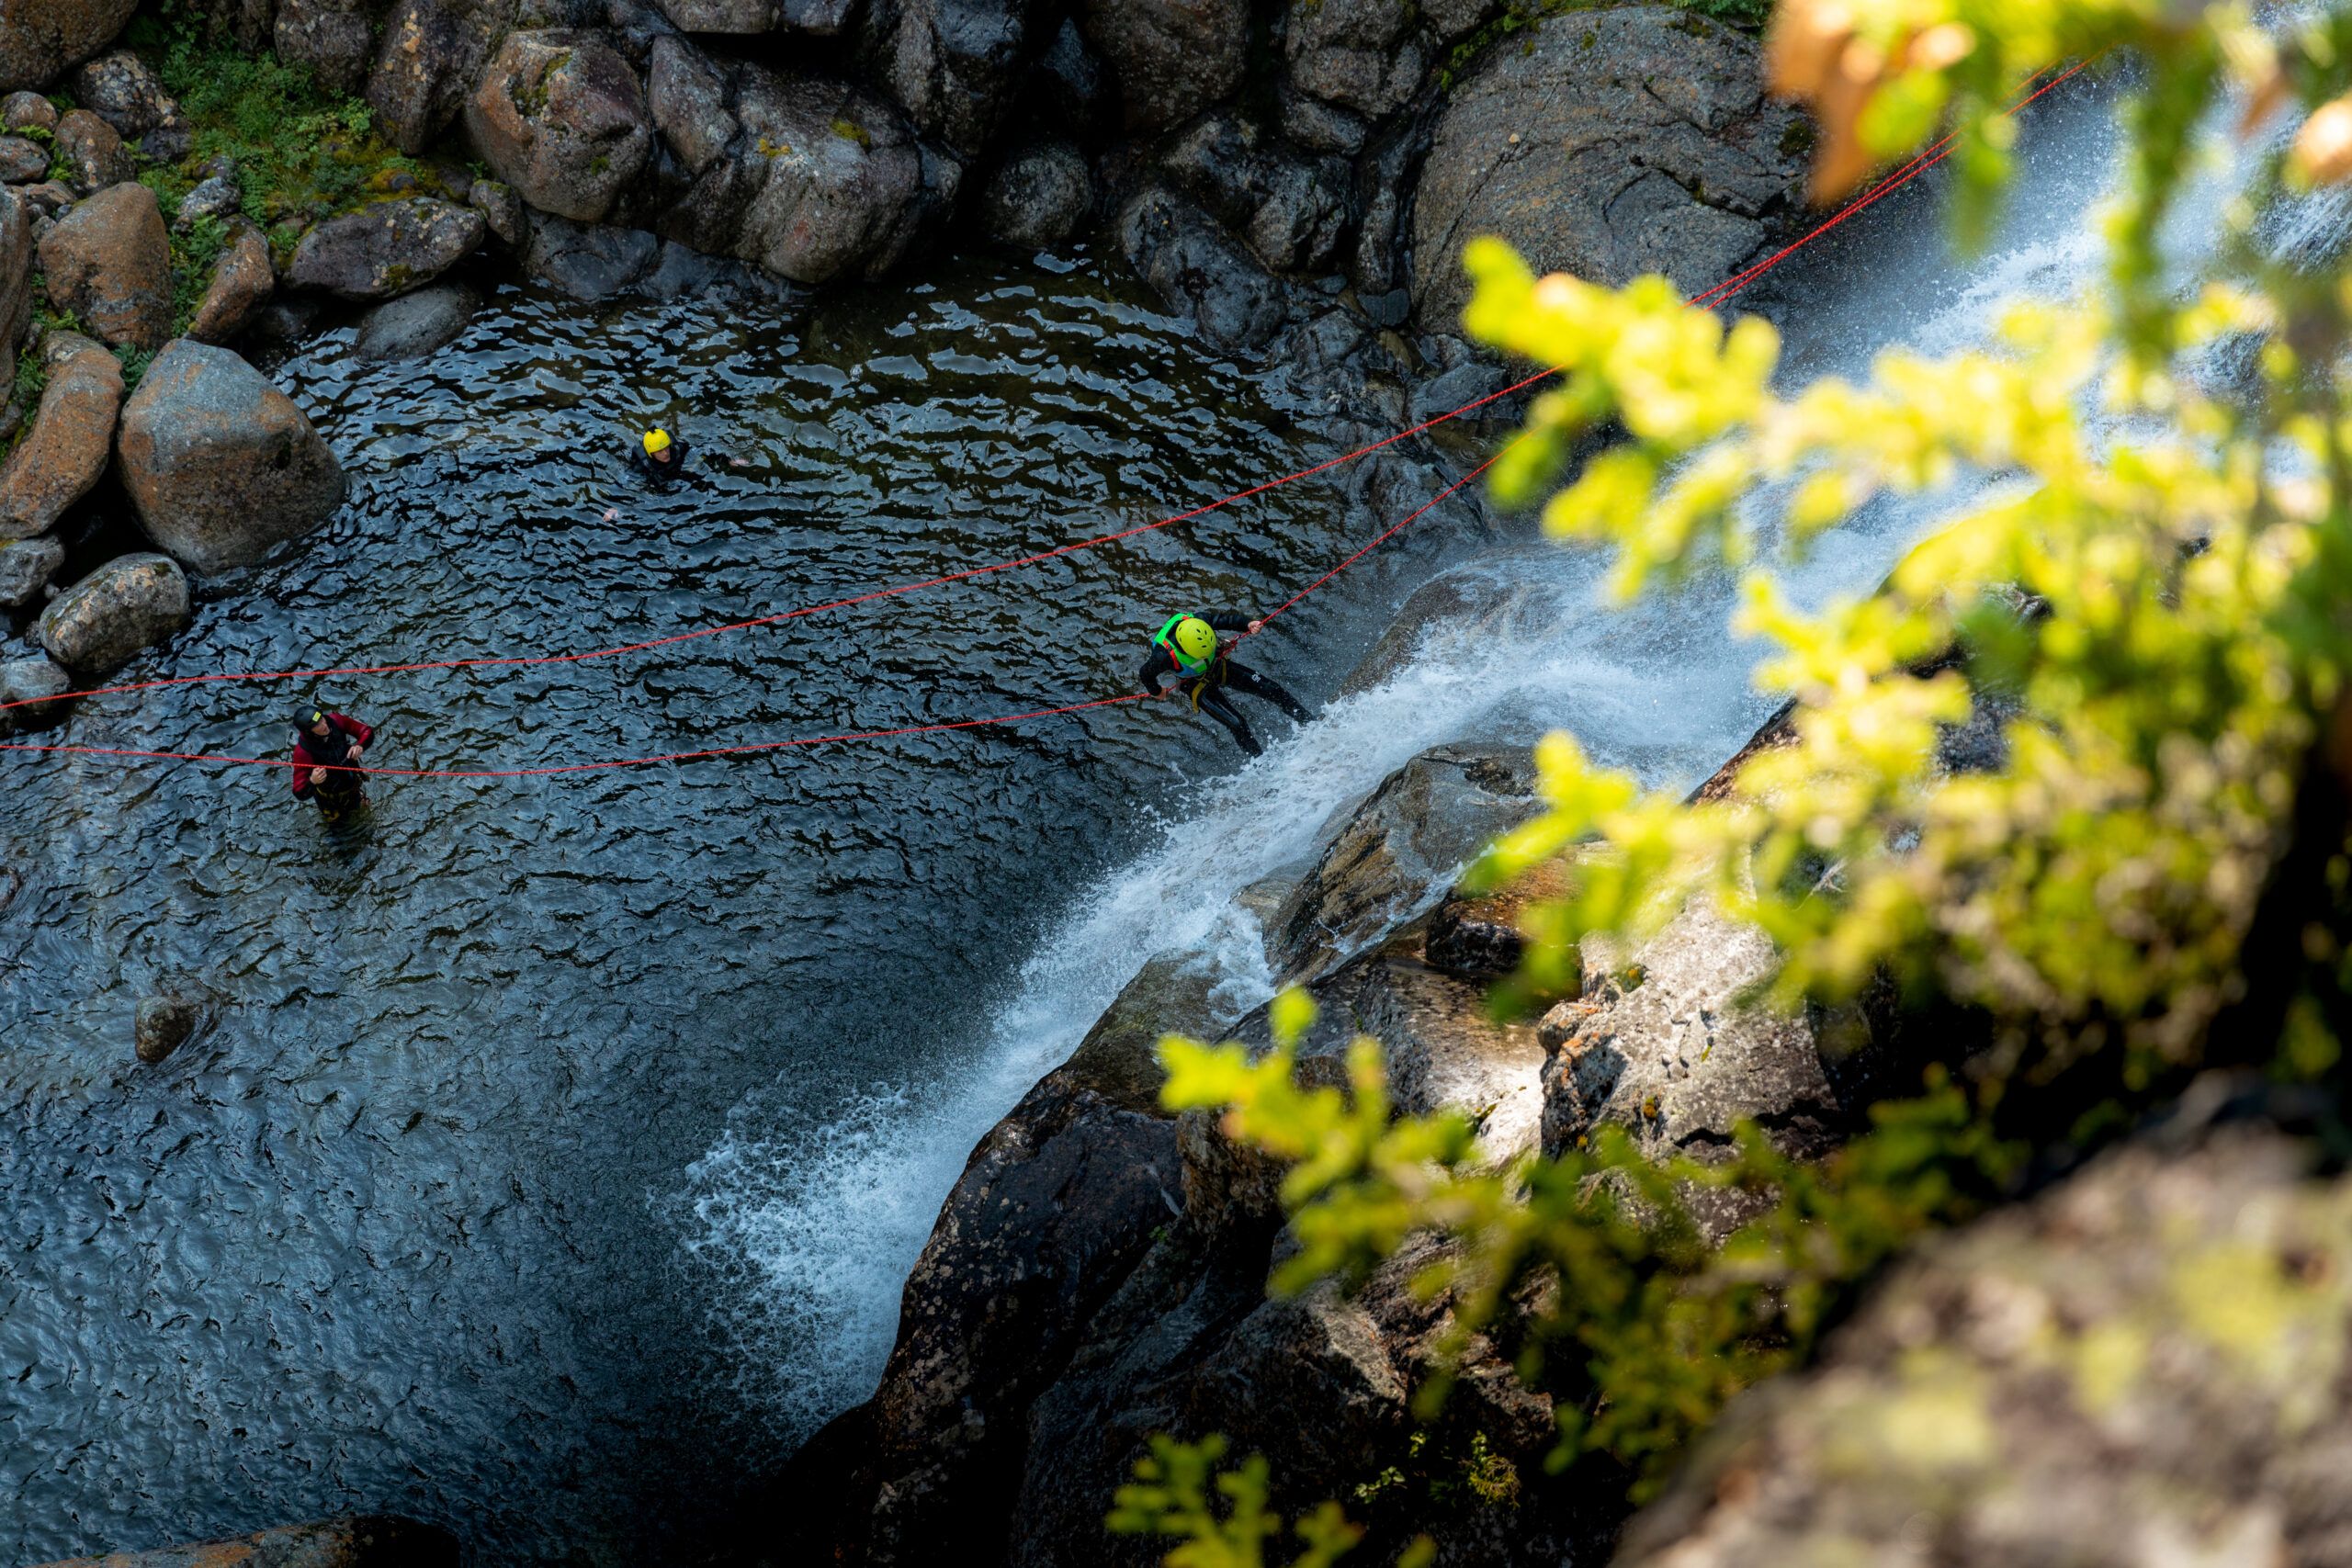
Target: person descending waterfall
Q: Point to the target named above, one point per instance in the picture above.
(1192, 649)
(325, 742)
(660, 460)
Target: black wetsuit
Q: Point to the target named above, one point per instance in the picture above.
(663, 473)
(1212, 693)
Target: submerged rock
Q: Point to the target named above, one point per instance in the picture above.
(91, 154)
(63, 453)
(414, 325)
(242, 283)
(32, 680)
(560, 115)
(108, 261)
(589, 262)
(38, 39)
(374, 1540)
(223, 466)
(164, 1025)
(1615, 142)
(1038, 196)
(101, 623)
(386, 248)
(25, 567)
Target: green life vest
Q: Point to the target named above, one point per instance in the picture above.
(1165, 640)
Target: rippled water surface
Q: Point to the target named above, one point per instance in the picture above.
(406, 1230)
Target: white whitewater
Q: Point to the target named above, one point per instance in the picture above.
(814, 1231)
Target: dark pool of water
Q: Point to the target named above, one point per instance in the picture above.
(393, 1235)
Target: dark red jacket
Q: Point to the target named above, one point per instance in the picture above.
(314, 751)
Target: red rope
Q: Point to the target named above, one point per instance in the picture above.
(1715, 296)
(1919, 165)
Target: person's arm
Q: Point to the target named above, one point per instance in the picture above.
(362, 733)
(1156, 663)
(303, 763)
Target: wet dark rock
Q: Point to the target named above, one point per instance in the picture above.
(352, 1542)
(502, 210)
(430, 53)
(1073, 90)
(415, 324)
(25, 567)
(164, 1025)
(38, 39)
(61, 457)
(1483, 936)
(1290, 212)
(89, 155)
(386, 248)
(1170, 58)
(1617, 142)
(1366, 55)
(27, 111)
(285, 324)
(103, 621)
(214, 198)
(2145, 1364)
(588, 262)
(222, 466)
(815, 180)
(1396, 853)
(1479, 600)
(22, 162)
(242, 283)
(1199, 272)
(1320, 127)
(953, 65)
(118, 87)
(31, 680)
(108, 261)
(1119, 1058)
(1038, 196)
(1376, 266)
(15, 270)
(561, 117)
(335, 38)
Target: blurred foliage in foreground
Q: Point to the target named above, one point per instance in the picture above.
(2154, 881)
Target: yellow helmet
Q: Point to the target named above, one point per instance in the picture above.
(656, 440)
(1195, 637)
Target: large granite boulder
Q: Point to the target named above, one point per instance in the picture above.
(335, 38)
(38, 39)
(954, 65)
(91, 154)
(220, 464)
(1038, 196)
(100, 623)
(415, 324)
(65, 451)
(561, 117)
(353, 1542)
(813, 179)
(386, 248)
(108, 261)
(1614, 142)
(123, 90)
(242, 280)
(1199, 272)
(2150, 1364)
(1393, 855)
(1292, 211)
(429, 56)
(1170, 58)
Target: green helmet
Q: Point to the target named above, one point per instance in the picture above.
(1194, 640)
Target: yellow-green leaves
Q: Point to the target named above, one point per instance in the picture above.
(1221, 1516)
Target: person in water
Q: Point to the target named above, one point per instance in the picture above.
(661, 460)
(1194, 649)
(325, 742)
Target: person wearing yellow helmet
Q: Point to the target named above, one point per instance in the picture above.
(658, 458)
(1195, 650)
